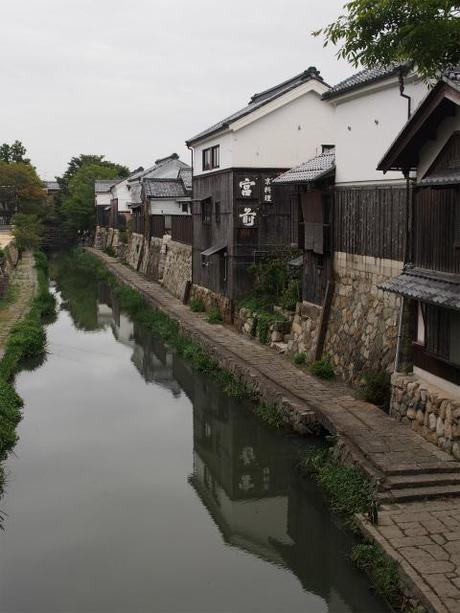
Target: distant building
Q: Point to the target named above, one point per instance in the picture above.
(103, 199)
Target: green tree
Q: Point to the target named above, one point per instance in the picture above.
(21, 190)
(27, 231)
(78, 207)
(425, 33)
(78, 162)
(13, 153)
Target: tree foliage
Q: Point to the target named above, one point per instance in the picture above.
(78, 207)
(13, 153)
(425, 33)
(78, 162)
(21, 190)
(27, 231)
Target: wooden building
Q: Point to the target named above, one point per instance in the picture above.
(429, 146)
(239, 215)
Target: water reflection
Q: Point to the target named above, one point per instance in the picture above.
(244, 474)
(138, 486)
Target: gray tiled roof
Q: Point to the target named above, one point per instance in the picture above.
(165, 188)
(440, 289)
(312, 170)
(51, 185)
(360, 79)
(186, 175)
(104, 185)
(452, 178)
(166, 168)
(259, 100)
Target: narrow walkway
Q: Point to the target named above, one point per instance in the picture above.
(18, 299)
(393, 452)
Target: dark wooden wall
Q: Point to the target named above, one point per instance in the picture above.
(370, 221)
(436, 223)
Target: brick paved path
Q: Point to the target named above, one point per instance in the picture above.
(425, 539)
(24, 285)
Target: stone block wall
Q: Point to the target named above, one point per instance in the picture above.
(363, 324)
(428, 410)
(212, 300)
(177, 273)
(305, 329)
(245, 321)
(135, 250)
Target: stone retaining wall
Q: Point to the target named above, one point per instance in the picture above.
(305, 329)
(7, 265)
(278, 334)
(428, 410)
(363, 324)
(212, 300)
(177, 274)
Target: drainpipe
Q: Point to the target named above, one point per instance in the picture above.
(402, 88)
(192, 159)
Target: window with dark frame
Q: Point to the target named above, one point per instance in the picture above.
(206, 211)
(217, 211)
(438, 332)
(211, 158)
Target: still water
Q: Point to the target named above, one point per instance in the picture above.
(138, 487)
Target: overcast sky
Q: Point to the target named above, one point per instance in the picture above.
(132, 80)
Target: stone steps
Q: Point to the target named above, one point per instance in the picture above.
(434, 468)
(411, 494)
(423, 480)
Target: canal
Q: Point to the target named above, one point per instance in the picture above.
(137, 486)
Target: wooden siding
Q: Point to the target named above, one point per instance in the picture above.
(370, 221)
(436, 213)
(181, 229)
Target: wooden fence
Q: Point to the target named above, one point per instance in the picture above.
(181, 229)
(157, 226)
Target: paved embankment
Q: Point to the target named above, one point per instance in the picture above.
(424, 537)
(22, 289)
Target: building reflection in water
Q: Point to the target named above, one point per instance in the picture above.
(245, 476)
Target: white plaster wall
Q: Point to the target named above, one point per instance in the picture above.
(225, 141)
(286, 137)
(166, 207)
(121, 191)
(103, 198)
(360, 141)
(281, 134)
(433, 148)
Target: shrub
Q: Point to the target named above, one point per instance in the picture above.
(300, 358)
(27, 231)
(214, 316)
(291, 295)
(110, 251)
(375, 387)
(197, 305)
(382, 570)
(322, 369)
(123, 236)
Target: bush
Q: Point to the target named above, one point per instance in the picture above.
(197, 305)
(110, 251)
(300, 358)
(291, 295)
(322, 369)
(214, 316)
(375, 387)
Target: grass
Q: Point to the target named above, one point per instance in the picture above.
(382, 570)
(322, 369)
(214, 316)
(270, 415)
(348, 490)
(197, 305)
(27, 340)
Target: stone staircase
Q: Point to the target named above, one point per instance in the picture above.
(403, 486)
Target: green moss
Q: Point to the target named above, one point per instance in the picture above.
(322, 369)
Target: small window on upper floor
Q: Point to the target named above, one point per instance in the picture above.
(211, 158)
(217, 211)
